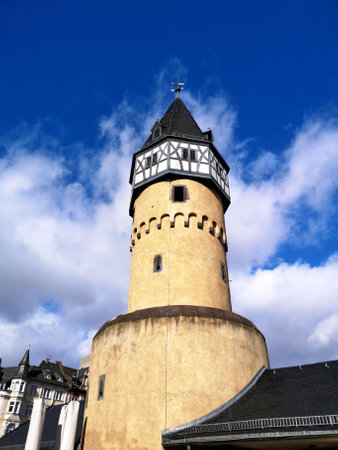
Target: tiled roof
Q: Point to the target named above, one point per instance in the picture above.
(298, 399)
(18, 436)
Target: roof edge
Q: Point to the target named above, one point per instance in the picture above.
(220, 408)
(264, 436)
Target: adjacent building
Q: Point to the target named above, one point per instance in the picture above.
(20, 385)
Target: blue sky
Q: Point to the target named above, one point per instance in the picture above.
(81, 85)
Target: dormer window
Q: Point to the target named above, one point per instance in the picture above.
(156, 130)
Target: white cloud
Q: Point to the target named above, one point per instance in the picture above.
(64, 241)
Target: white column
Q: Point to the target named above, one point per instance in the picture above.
(61, 427)
(36, 425)
(69, 428)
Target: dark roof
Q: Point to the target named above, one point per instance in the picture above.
(47, 372)
(286, 393)
(18, 436)
(178, 120)
(25, 359)
(7, 373)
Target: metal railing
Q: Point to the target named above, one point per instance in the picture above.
(276, 422)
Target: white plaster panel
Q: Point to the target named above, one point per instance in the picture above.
(162, 165)
(204, 168)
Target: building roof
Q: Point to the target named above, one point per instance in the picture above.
(47, 372)
(288, 401)
(177, 120)
(17, 438)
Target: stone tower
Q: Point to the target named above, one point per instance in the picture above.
(179, 352)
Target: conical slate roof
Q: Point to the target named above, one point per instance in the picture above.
(25, 359)
(177, 121)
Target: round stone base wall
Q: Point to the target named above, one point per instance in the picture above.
(165, 366)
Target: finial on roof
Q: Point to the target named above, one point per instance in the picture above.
(179, 86)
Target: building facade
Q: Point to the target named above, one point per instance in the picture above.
(21, 385)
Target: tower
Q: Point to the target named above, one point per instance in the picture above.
(179, 351)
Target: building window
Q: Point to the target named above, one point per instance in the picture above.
(58, 395)
(45, 392)
(29, 409)
(179, 193)
(193, 155)
(2, 386)
(154, 159)
(148, 162)
(18, 386)
(33, 389)
(60, 379)
(223, 272)
(157, 263)
(100, 392)
(185, 153)
(14, 407)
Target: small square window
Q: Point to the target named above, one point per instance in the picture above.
(157, 263)
(179, 193)
(14, 407)
(100, 392)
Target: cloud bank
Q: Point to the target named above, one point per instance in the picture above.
(64, 233)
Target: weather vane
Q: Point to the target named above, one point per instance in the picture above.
(179, 86)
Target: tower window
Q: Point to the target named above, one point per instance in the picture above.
(157, 263)
(154, 159)
(148, 161)
(179, 193)
(100, 391)
(185, 153)
(223, 275)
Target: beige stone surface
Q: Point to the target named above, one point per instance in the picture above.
(191, 256)
(162, 372)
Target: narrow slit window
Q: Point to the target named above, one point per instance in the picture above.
(148, 160)
(157, 263)
(223, 272)
(179, 193)
(100, 392)
(154, 159)
(193, 155)
(185, 153)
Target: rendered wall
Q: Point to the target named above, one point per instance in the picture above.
(164, 370)
(180, 232)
